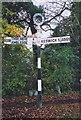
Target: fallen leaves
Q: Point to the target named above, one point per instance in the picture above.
(67, 106)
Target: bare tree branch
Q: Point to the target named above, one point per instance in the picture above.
(57, 14)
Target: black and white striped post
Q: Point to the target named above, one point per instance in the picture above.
(38, 20)
(39, 81)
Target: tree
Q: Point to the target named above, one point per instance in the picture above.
(20, 13)
(17, 60)
(17, 70)
(76, 15)
(12, 30)
(71, 60)
(57, 68)
(61, 59)
(72, 27)
(54, 13)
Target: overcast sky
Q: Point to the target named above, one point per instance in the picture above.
(43, 3)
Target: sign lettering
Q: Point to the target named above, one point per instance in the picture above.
(42, 41)
(65, 39)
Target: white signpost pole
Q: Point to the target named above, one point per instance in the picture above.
(38, 20)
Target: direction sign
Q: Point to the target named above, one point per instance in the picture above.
(16, 40)
(64, 39)
(42, 41)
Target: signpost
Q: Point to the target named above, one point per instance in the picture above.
(16, 40)
(38, 20)
(53, 40)
(41, 41)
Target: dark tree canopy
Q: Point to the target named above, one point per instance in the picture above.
(21, 13)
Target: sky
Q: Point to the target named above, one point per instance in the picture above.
(43, 3)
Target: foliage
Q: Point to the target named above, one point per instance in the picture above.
(12, 30)
(76, 14)
(58, 67)
(71, 26)
(61, 66)
(20, 13)
(17, 70)
(17, 60)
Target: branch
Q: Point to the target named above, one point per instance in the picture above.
(21, 20)
(54, 17)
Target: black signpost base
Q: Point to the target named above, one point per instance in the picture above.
(39, 99)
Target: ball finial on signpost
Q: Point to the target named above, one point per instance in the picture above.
(38, 19)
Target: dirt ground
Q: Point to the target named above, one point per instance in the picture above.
(24, 107)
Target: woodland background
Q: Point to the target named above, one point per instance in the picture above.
(61, 63)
